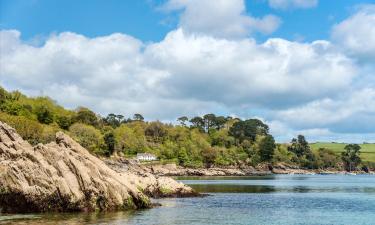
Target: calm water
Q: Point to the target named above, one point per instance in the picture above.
(277, 199)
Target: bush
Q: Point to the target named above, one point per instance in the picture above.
(28, 129)
(87, 136)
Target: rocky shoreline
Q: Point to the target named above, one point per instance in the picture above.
(63, 176)
(173, 170)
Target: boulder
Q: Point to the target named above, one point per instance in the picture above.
(64, 176)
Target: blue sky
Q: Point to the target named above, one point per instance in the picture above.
(303, 66)
(143, 20)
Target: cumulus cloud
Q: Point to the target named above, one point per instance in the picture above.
(350, 113)
(182, 67)
(356, 35)
(221, 18)
(292, 4)
(317, 88)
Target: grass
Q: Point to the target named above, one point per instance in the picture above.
(367, 150)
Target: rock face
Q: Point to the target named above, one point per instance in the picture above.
(173, 170)
(63, 176)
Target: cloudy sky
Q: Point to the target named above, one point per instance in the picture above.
(302, 66)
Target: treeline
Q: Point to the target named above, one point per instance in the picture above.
(201, 141)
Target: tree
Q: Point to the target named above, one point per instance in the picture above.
(266, 148)
(183, 120)
(299, 146)
(208, 120)
(219, 122)
(110, 142)
(182, 156)
(197, 122)
(114, 120)
(351, 157)
(209, 155)
(87, 136)
(86, 116)
(44, 115)
(155, 130)
(138, 117)
(248, 129)
(64, 122)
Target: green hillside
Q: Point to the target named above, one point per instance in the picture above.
(367, 150)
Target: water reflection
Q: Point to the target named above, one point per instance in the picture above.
(67, 218)
(282, 183)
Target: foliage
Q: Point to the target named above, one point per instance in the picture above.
(248, 129)
(207, 140)
(266, 148)
(299, 146)
(87, 136)
(351, 157)
(29, 130)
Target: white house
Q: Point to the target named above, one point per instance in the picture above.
(146, 157)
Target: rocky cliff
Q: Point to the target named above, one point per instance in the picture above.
(63, 176)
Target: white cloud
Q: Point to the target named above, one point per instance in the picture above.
(288, 4)
(334, 112)
(309, 88)
(120, 73)
(356, 35)
(220, 18)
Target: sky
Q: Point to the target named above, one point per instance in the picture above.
(302, 66)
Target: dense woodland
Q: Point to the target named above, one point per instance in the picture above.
(201, 141)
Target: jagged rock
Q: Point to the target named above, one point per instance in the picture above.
(63, 176)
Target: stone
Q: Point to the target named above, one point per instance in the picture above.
(63, 176)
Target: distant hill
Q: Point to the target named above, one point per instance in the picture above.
(367, 150)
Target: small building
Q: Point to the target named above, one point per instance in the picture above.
(146, 157)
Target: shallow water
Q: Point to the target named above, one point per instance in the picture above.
(276, 199)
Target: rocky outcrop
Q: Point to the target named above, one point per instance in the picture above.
(173, 170)
(151, 184)
(63, 176)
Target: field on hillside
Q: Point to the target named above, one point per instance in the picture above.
(367, 150)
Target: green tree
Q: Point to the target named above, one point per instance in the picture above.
(248, 129)
(110, 142)
(351, 157)
(64, 122)
(299, 146)
(183, 120)
(197, 122)
(87, 136)
(209, 156)
(86, 116)
(114, 120)
(44, 115)
(266, 148)
(156, 130)
(183, 158)
(209, 121)
(138, 117)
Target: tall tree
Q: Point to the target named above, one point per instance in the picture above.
(138, 117)
(300, 146)
(248, 129)
(266, 148)
(110, 141)
(209, 120)
(197, 122)
(351, 157)
(183, 120)
(86, 116)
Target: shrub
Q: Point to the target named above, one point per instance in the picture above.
(87, 136)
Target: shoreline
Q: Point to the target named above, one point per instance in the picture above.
(173, 170)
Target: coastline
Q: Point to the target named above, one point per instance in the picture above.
(173, 170)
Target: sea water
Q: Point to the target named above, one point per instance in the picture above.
(274, 199)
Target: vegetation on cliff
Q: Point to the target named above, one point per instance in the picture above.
(201, 141)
